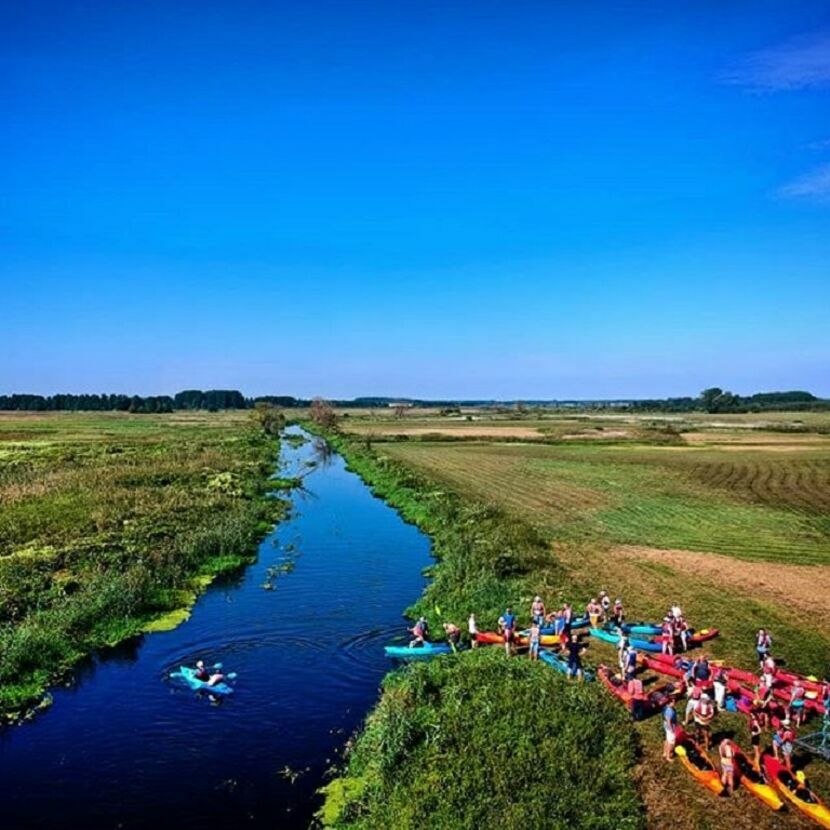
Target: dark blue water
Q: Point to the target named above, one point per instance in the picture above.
(126, 747)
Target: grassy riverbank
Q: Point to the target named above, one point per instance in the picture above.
(110, 524)
(508, 521)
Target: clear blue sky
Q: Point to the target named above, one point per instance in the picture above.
(467, 199)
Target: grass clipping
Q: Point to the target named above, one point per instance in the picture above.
(482, 741)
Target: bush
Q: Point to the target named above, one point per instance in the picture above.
(482, 741)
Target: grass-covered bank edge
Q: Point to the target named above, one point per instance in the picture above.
(479, 740)
(128, 598)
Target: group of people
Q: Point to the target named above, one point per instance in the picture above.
(701, 710)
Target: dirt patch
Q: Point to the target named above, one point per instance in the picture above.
(803, 588)
(599, 434)
(781, 442)
(471, 431)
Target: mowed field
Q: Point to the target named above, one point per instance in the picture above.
(660, 522)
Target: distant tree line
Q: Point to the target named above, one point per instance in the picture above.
(712, 400)
(716, 400)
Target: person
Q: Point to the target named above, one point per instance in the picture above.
(763, 644)
(622, 651)
(205, 676)
(472, 631)
(795, 709)
(453, 633)
(667, 636)
(574, 648)
(419, 633)
(727, 765)
(567, 615)
(534, 641)
(782, 742)
(702, 672)
(703, 714)
(537, 610)
(594, 612)
(507, 623)
(559, 623)
(719, 682)
(755, 730)
(638, 697)
(681, 632)
(675, 612)
(619, 613)
(768, 669)
(605, 602)
(763, 702)
(694, 693)
(670, 729)
(630, 662)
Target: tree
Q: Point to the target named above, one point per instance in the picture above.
(709, 398)
(268, 417)
(322, 414)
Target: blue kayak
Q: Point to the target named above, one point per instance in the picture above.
(637, 628)
(582, 622)
(188, 675)
(423, 652)
(556, 661)
(614, 639)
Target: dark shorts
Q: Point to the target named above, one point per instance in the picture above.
(755, 740)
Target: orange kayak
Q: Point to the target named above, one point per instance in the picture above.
(796, 792)
(752, 779)
(696, 761)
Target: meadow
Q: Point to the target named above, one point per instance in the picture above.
(728, 518)
(111, 523)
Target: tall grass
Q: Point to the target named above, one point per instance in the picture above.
(105, 524)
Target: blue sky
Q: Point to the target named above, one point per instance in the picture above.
(479, 199)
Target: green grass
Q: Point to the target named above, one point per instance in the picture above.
(109, 522)
(650, 496)
(482, 741)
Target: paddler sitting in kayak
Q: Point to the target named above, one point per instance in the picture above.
(419, 631)
(205, 676)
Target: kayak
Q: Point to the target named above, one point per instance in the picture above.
(677, 669)
(696, 761)
(549, 628)
(614, 639)
(423, 652)
(796, 792)
(653, 702)
(559, 663)
(746, 697)
(752, 779)
(520, 639)
(810, 683)
(702, 636)
(636, 628)
(188, 675)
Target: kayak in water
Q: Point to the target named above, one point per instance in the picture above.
(423, 652)
(188, 675)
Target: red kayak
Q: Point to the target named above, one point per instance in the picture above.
(811, 684)
(654, 700)
(661, 666)
(745, 700)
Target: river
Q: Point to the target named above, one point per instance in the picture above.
(127, 747)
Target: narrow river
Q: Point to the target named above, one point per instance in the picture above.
(126, 747)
